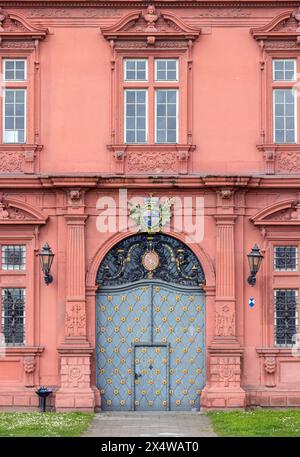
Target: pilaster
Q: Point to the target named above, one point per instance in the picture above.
(75, 352)
(223, 389)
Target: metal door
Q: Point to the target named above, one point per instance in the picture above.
(151, 377)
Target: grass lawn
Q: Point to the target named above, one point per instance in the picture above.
(44, 424)
(260, 422)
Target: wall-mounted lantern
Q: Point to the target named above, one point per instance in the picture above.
(46, 259)
(255, 257)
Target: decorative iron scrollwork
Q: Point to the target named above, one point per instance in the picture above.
(124, 263)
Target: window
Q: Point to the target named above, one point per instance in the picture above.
(135, 116)
(13, 315)
(286, 316)
(284, 115)
(13, 257)
(14, 69)
(155, 97)
(166, 70)
(285, 258)
(284, 70)
(14, 106)
(135, 70)
(166, 116)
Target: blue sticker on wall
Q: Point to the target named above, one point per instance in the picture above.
(251, 302)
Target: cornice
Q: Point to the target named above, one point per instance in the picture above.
(160, 3)
(100, 180)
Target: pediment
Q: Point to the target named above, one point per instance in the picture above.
(14, 211)
(286, 212)
(150, 22)
(284, 26)
(14, 25)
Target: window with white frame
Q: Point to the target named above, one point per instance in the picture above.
(284, 70)
(13, 315)
(14, 116)
(286, 316)
(286, 258)
(14, 69)
(166, 116)
(135, 70)
(166, 69)
(154, 96)
(135, 116)
(285, 117)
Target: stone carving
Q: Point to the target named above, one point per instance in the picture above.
(288, 162)
(16, 44)
(150, 17)
(29, 364)
(225, 371)
(75, 195)
(228, 12)
(288, 214)
(9, 212)
(3, 16)
(225, 322)
(270, 368)
(11, 162)
(226, 194)
(296, 15)
(288, 25)
(270, 364)
(156, 161)
(75, 320)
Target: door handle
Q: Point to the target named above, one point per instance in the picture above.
(137, 375)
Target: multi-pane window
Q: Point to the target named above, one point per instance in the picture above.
(166, 70)
(14, 107)
(14, 69)
(286, 316)
(166, 116)
(135, 116)
(284, 115)
(284, 70)
(285, 258)
(154, 96)
(13, 315)
(135, 70)
(13, 257)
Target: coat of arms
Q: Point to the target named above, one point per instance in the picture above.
(152, 215)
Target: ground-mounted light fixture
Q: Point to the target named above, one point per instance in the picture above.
(46, 258)
(255, 257)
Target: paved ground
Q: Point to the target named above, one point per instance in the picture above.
(144, 424)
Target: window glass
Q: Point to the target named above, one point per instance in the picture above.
(14, 115)
(166, 116)
(166, 70)
(135, 116)
(13, 315)
(135, 70)
(284, 70)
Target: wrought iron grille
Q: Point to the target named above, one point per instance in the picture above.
(13, 316)
(285, 258)
(177, 263)
(13, 257)
(286, 316)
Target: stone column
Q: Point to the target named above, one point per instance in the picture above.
(223, 389)
(75, 352)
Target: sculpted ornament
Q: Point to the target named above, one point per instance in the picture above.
(150, 17)
(225, 322)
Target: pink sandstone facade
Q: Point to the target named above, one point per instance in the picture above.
(226, 150)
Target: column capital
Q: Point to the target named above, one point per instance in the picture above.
(225, 219)
(76, 219)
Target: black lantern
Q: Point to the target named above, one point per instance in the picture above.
(255, 257)
(46, 259)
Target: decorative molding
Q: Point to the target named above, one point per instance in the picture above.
(19, 158)
(13, 211)
(283, 27)
(157, 159)
(145, 28)
(15, 26)
(280, 213)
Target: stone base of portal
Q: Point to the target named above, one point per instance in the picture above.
(76, 400)
(222, 398)
(75, 392)
(21, 399)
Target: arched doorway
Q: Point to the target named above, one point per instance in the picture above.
(150, 326)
